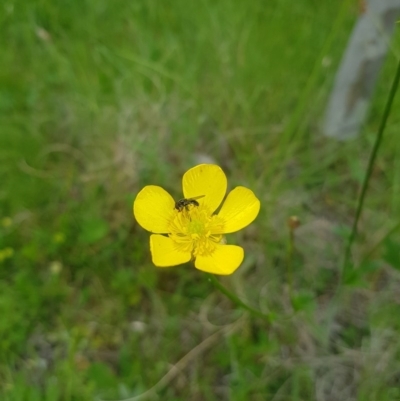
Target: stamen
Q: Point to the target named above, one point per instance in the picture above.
(196, 230)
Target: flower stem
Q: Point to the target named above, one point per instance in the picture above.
(290, 251)
(371, 163)
(236, 300)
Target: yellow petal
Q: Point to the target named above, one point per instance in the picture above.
(164, 254)
(153, 209)
(207, 181)
(224, 260)
(240, 208)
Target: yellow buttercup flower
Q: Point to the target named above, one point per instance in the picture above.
(190, 229)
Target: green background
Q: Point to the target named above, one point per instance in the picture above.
(100, 98)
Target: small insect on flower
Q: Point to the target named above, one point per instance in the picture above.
(191, 228)
(186, 202)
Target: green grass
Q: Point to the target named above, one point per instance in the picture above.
(98, 99)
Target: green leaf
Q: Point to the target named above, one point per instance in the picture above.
(303, 301)
(392, 253)
(93, 230)
(102, 375)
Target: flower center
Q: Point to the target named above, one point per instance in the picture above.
(196, 230)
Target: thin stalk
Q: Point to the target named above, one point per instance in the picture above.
(290, 252)
(292, 223)
(237, 300)
(371, 163)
